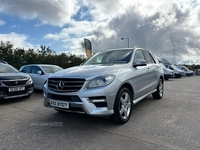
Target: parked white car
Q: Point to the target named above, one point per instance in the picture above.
(107, 84)
(39, 73)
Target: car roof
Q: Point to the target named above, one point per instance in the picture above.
(118, 49)
(2, 61)
(39, 65)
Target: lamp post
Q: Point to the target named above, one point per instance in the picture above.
(127, 39)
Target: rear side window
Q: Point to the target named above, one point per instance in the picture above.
(148, 58)
(26, 69)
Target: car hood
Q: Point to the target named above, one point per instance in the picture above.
(91, 71)
(188, 71)
(167, 70)
(12, 76)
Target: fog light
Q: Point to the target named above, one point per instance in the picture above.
(44, 93)
(30, 90)
(98, 100)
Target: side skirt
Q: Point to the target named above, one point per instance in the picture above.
(141, 98)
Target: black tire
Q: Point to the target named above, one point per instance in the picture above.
(188, 75)
(160, 89)
(122, 106)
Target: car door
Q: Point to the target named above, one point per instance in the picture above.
(140, 78)
(38, 78)
(153, 70)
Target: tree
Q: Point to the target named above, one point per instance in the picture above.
(6, 51)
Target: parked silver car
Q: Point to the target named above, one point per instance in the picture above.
(39, 73)
(107, 84)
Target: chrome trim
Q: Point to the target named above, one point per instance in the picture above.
(15, 96)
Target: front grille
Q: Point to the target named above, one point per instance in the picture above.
(16, 93)
(14, 82)
(65, 84)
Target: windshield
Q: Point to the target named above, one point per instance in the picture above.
(51, 69)
(5, 68)
(110, 57)
(163, 65)
(183, 68)
(174, 67)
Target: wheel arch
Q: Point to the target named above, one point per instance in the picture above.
(162, 78)
(129, 87)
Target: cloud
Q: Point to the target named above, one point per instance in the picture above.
(72, 37)
(155, 25)
(2, 22)
(54, 12)
(76, 29)
(17, 40)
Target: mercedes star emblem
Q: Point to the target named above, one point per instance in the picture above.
(60, 85)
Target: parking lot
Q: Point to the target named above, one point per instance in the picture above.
(169, 123)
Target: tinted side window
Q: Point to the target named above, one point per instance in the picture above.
(148, 57)
(26, 69)
(35, 69)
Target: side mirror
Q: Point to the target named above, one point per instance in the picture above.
(39, 72)
(139, 62)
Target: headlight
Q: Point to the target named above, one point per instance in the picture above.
(101, 81)
(30, 81)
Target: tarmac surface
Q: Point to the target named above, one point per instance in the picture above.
(172, 123)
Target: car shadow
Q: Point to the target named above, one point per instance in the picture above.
(83, 119)
(12, 100)
(38, 91)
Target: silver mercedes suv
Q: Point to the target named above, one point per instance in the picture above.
(107, 84)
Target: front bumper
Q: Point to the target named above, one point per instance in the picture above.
(178, 75)
(5, 94)
(169, 76)
(95, 101)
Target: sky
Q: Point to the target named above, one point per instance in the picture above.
(168, 28)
